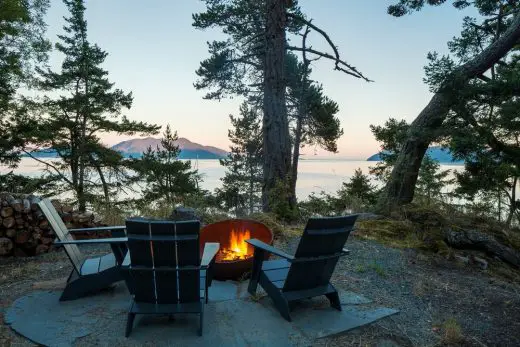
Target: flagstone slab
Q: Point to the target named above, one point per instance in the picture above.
(231, 318)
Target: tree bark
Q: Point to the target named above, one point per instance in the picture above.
(471, 239)
(401, 186)
(277, 147)
(296, 155)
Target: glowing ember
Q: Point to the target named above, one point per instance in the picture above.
(237, 247)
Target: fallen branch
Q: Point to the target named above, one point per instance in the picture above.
(471, 239)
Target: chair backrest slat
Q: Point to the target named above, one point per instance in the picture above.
(164, 260)
(321, 237)
(188, 255)
(62, 233)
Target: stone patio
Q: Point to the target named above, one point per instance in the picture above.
(232, 318)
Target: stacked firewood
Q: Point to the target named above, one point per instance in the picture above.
(24, 230)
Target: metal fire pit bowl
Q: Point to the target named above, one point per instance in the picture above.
(220, 232)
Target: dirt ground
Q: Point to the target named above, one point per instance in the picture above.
(441, 302)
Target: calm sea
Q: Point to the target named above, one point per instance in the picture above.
(314, 175)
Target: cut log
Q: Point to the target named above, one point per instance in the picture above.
(46, 240)
(22, 236)
(10, 233)
(18, 252)
(6, 211)
(17, 205)
(66, 217)
(44, 224)
(6, 246)
(8, 222)
(40, 249)
(470, 239)
(34, 203)
(26, 206)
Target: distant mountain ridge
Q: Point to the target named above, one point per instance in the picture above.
(442, 155)
(136, 147)
(189, 149)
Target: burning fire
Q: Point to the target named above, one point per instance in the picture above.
(237, 247)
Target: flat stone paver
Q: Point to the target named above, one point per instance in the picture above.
(231, 318)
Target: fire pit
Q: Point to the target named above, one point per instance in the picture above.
(235, 256)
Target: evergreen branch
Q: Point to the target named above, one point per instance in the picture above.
(347, 68)
(48, 165)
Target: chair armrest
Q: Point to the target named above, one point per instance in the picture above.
(92, 241)
(96, 229)
(210, 251)
(270, 249)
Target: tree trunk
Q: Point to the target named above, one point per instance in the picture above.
(277, 151)
(401, 186)
(296, 155)
(104, 183)
(512, 203)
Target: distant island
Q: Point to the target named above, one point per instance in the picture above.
(442, 155)
(135, 147)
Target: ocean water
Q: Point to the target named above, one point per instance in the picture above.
(314, 175)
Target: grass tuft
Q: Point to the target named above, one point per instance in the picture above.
(452, 332)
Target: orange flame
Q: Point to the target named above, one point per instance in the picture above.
(237, 246)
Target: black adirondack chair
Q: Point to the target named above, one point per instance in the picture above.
(163, 268)
(306, 274)
(89, 275)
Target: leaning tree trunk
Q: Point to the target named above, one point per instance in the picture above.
(277, 147)
(401, 186)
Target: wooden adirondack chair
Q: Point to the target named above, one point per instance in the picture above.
(163, 268)
(306, 274)
(89, 275)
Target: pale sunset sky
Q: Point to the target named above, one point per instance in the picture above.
(154, 52)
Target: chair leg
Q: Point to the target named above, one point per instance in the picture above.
(129, 323)
(201, 322)
(258, 259)
(334, 300)
(207, 297)
(283, 307)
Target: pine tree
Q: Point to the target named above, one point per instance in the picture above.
(242, 184)
(167, 179)
(485, 41)
(359, 187)
(313, 115)
(432, 180)
(22, 48)
(87, 105)
(252, 60)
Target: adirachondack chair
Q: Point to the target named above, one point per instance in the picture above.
(306, 274)
(163, 268)
(89, 275)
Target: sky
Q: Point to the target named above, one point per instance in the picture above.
(154, 52)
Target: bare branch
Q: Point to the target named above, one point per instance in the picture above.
(340, 65)
(328, 56)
